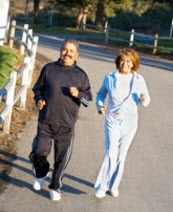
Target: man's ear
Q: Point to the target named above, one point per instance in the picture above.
(76, 55)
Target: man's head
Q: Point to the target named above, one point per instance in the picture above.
(69, 52)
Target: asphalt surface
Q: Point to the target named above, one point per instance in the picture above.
(146, 185)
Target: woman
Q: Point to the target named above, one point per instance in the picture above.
(125, 89)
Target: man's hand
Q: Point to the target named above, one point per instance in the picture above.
(74, 91)
(143, 97)
(40, 104)
(102, 110)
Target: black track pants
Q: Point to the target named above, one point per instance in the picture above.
(63, 141)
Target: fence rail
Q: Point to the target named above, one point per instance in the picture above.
(133, 39)
(29, 44)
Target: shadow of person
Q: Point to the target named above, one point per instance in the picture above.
(20, 183)
(6, 178)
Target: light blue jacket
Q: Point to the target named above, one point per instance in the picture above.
(115, 102)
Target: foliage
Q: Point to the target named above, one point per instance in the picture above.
(72, 3)
(157, 19)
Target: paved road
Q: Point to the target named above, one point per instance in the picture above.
(147, 182)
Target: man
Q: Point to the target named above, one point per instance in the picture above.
(61, 87)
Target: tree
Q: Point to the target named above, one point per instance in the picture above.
(36, 11)
(100, 12)
(82, 15)
(83, 7)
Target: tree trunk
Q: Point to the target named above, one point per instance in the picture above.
(100, 13)
(79, 18)
(26, 9)
(36, 11)
(82, 16)
(85, 13)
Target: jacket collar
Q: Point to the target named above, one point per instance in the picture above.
(59, 62)
(117, 71)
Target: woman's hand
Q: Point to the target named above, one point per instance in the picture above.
(40, 104)
(102, 110)
(143, 97)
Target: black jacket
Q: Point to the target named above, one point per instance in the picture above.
(53, 86)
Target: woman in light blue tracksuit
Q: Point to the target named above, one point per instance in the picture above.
(125, 89)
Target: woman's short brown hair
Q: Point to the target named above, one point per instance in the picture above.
(130, 53)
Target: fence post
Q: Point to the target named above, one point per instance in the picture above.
(32, 59)
(171, 29)
(155, 43)
(10, 101)
(29, 41)
(107, 35)
(131, 38)
(12, 33)
(7, 29)
(106, 25)
(24, 36)
(25, 75)
(82, 27)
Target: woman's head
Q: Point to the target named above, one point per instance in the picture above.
(128, 54)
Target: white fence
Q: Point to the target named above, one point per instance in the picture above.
(133, 37)
(28, 43)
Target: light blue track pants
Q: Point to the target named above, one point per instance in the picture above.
(119, 135)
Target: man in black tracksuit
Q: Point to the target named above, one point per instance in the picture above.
(60, 89)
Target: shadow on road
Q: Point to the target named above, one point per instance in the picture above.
(6, 178)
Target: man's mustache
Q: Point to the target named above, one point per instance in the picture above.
(65, 55)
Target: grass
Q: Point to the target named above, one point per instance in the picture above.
(7, 60)
(55, 29)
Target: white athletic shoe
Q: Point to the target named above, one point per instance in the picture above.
(100, 193)
(114, 193)
(55, 195)
(38, 183)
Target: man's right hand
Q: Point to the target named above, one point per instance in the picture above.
(102, 110)
(40, 104)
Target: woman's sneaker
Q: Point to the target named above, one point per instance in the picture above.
(100, 193)
(114, 193)
(55, 195)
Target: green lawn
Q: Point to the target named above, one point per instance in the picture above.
(7, 60)
(56, 29)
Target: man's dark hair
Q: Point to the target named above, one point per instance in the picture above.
(75, 42)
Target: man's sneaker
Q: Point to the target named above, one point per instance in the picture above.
(114, 193)
(100, 193)
(55, 195)
(38, 183)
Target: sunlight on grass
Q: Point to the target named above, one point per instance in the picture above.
(7, 59)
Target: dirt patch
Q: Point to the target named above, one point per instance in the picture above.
(8, 144)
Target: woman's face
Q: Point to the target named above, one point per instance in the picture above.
(125, 64)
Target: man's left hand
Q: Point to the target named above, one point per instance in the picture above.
(74, 91)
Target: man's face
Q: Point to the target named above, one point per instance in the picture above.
(69, 54)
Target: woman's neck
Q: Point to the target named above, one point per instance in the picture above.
(125, 73)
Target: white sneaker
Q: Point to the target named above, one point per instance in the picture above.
(114, 193)
(38, 183)
(100, 193)
(55, 195)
